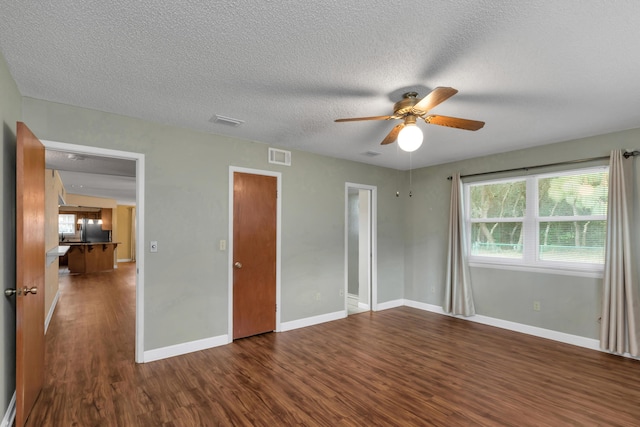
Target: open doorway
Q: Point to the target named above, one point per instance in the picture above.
(110, 159)
(359, 248)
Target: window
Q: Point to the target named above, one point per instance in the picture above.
(552, 220)
(66, 223)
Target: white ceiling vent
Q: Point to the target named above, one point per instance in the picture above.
(279, 157)
(371, 153)
(223, 120)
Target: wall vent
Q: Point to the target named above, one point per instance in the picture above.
(279, 157)
(371, 153)
(223, 120)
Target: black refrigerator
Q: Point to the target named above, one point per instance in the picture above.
(93, 233)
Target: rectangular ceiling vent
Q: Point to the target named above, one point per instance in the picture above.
(279, 157)
(223, 120)
(371, 153)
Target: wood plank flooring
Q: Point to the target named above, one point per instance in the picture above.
(399, 367)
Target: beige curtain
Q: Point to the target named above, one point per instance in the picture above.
(458, 297)
(619, 328)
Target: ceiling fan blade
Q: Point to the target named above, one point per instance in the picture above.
(357, 119)
(435, 97)
(393, 135)
(454, 122)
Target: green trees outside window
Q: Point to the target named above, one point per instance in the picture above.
(536, 219)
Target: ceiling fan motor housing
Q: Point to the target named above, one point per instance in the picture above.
(405, 105)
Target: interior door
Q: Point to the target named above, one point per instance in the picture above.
(254, 254)
(30, 265)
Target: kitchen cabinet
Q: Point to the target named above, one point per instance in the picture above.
(91, 257)
(107, 214)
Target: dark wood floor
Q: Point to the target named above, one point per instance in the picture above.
(396, 367)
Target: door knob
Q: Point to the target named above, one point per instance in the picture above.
(9, 292)
(33, 290)
(238, 264)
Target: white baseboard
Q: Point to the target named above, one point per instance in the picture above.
(389, 304)
(179, 349)
(579, 341)
(10, 415)
(184, 348)
(51, 310)
(310, 321)
(124, 259)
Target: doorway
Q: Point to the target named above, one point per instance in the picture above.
(360, 252)
(81, 150)
(254, 252)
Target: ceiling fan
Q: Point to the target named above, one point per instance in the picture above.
(410, 109)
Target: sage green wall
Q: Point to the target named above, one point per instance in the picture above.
(569, 304)
(10, 108)
(186, 211)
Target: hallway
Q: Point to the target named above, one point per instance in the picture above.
(89, 355)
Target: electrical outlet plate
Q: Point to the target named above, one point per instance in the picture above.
(536, 306)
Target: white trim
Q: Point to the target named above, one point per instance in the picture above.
(140, 186)
(314, 320)
(54, 303)
(576, 340)
(140, 245)
(373, 204)
(184, 348)
(10, 414)
(590, 343)
(278, 176)
(390, 304)
(124, 260)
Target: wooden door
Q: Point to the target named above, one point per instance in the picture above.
(254, 254)
(30, 264)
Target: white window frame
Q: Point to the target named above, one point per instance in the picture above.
(530, 224)
(73, 224)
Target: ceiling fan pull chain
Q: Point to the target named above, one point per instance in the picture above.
(410, 176)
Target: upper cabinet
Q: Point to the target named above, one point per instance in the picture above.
(107, 214)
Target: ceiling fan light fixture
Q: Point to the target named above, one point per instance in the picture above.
(410, 138)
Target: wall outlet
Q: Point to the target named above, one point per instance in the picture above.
(317, 296)
(433, 289)
(341, 292)
(536, 306)
(223, 245)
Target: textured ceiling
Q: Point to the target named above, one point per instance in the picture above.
(535, 71)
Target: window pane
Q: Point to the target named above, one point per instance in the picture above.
(498, 239)
(573, 195)
(499, 200)
(66, 223)
(575, 241)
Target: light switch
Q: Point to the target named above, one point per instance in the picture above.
(223, 245)
(153, 246)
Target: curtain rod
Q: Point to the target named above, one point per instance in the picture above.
(626, 155)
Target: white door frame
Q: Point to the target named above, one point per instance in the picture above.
(373, 291)
(139, 159)
(278, 176)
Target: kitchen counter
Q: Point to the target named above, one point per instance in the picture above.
(56, 252)
(90, 257)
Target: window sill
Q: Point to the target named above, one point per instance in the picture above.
(577, 272)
